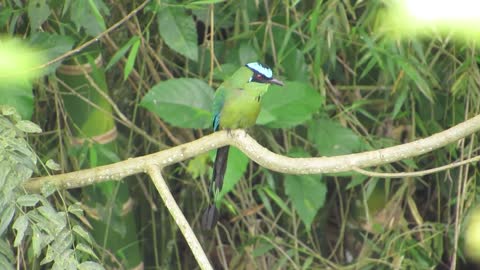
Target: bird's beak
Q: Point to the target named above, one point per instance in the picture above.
(275, 81)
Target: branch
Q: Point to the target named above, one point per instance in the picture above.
(258, 154)
(179, 218)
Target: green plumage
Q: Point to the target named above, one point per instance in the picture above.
(237, 101)
(236, 105)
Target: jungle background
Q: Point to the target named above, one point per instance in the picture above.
(137, 77)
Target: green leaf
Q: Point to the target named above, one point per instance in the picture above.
(266, 202)
(80, 231)
(178, 31)
(8, 110)
(121, 52)
(51, 46)
(290, 105)
(28, 126)
(181, 102)
(399, 101)
(203, 2)
(236, 168)
(76, 210)
(7, 215)
(131, 59)
(262, 247)
(19, 95)
(246, 53)
(29, 200)
(198, 166)
(279, 201)
(38, 12)
(331, 138)
(52, 165)
(53, 216)
(20, 225)
(224, 71)
(5, 14)
(37, 239)
(6, 255)
(307, 193)
(296, 68)
(86, 249)
(86, 15)
(90, 266)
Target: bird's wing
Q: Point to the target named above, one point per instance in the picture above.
(218, 101)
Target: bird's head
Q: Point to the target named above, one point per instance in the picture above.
(262, 74)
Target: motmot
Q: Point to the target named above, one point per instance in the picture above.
(236, 104)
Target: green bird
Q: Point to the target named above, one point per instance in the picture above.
(236, 105)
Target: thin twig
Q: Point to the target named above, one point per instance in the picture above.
(417, 173)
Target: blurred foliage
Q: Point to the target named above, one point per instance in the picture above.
(351, 85)
(56, 239)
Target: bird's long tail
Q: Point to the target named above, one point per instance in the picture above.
(210, 216)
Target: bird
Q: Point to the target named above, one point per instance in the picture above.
(236, 104)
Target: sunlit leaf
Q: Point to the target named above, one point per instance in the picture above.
(28, 126)
(80, 231)
(86, 249)
(20, 226)
(6, 218)
(29, 200)
(52, 165)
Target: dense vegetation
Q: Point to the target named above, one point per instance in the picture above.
(139, 77)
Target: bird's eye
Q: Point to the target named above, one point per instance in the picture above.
(259, 76)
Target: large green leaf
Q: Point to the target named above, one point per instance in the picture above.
(178, 31)
(181, 102)
(331, 138)
(290, 105)
(307, 193)
(236, 167)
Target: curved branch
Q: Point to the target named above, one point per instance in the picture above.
(260, 155)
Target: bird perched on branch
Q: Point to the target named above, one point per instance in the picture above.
(236, 105)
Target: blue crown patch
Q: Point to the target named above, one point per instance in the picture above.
(260, 68)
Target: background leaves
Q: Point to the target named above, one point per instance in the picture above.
(178, 31)
(181, 102)
(350, 86)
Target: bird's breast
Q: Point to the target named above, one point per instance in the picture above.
(240, 111)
